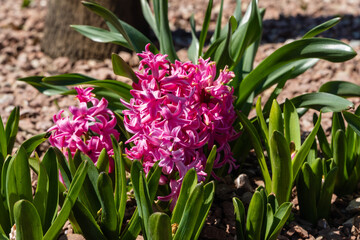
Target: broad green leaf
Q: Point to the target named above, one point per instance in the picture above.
(341, 88)
(353, 121)
(22, 175)
(121, 68)
(325, 102)
(187, 186)
(32, 143)
(89, 227)
(254, 220)
(327, 190)
(269, 219)
(63, 167)
(240, 219)
(339, 150)
(286, 72)
(149, 17)
(101, 35)
(11, 128)
(275, 119)
(42, 87)
(280, 217)
(273, 96)
(217, 31)
(50, 163)
(337, 123)
(255, 139)
(222, 55)
(166, 42)
(282, 174)
(307, 193)
(41, 194)
(109, 219)
(327, 49)
(210, 163)
(159, 226)
(193, 51)
(120, 180)
(27, 220)
(322, 27)
(262, 123)
(323, 142)
(110, 17)
(3, 142)
(300, 156)
(248, 32)
(141, 195)
(291, 124)
(209, 191)
(102, 163)
(70, 199)
(190, 214)
(205, 27)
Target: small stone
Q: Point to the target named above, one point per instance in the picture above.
(354, 206)
(242, 182)
(323, 224)
(301, 232)
(349, 223)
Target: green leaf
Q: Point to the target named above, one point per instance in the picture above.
(121, 68)
(205, 27)
(304, 149)
(280, 217)
(322, 27)
(193, 51)
(341, 88)
(261, 120)
(70, 199)
(166, 42)
(306, 186)
(149, 17)
(210, 162)
(63, 167)
(159, 226)
(49, 162)
(3, 142)
(120, 180)
(190, 214)
(42, 87)
(101, 35)
(27, 220)
(187, 186)
(286, 72)
(275, 119)
(22, 175)
(353, 121)
(247, 33)
(217, 31)
(340, 159)
(323, 142)
(255, 218)
(11, 128)
(325, 102)
(282, 174)
(222, 55)
(89, 228)
(291, 124)
(141, 195)
(109, 221)
(32, 143)
(327, 190)
(240, 220)
(255, 139)
(209, 191)
(327, 49)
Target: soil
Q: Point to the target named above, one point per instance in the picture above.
(21, 30)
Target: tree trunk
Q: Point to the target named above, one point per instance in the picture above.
(60, 40)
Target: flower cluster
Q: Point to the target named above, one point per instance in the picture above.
(175, 111)
(88, 129)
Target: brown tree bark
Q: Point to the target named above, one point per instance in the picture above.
(60, 40)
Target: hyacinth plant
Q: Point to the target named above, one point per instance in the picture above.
(183, 116)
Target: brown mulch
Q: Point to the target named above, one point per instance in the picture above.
(21, 31)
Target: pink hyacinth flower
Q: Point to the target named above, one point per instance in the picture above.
(176, 110)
